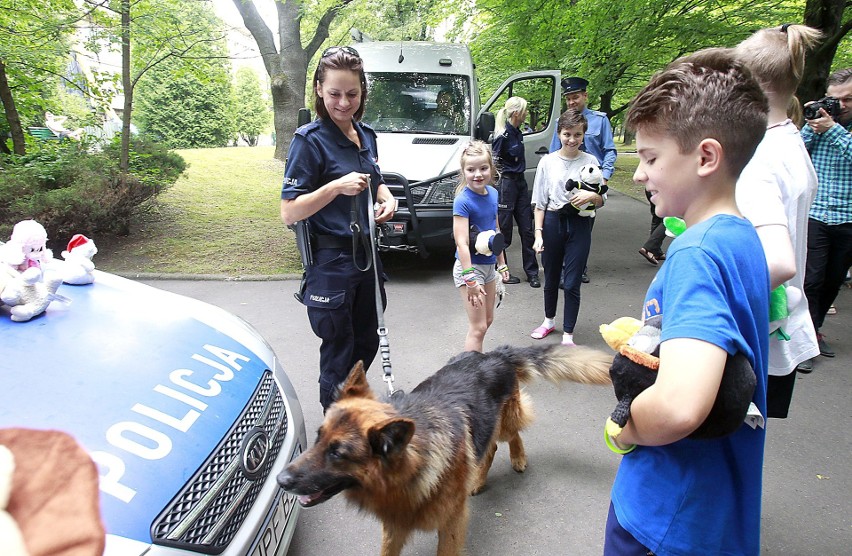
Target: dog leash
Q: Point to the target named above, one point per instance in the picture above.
(384, 345)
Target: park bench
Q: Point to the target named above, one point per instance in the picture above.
(42, 133)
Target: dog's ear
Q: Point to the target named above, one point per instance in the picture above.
(391, 436)
(356, 385)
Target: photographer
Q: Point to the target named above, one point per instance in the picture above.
(828, 140)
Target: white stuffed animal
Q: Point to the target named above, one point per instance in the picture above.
(78, 266)
(591, 179)
(11, 539)
(23, 262)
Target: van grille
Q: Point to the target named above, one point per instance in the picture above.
(210, 509)
(433, 141)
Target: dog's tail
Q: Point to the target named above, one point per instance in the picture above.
(556, 363)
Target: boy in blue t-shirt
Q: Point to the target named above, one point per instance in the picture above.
(697, 125)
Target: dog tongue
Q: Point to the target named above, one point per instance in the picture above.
(306, 499)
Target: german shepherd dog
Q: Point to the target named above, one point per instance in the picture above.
(413, 460)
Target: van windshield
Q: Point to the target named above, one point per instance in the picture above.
(418, 103)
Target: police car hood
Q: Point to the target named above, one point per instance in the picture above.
(148, 382)
(419, 157)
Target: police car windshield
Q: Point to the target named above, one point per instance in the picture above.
(418, 103)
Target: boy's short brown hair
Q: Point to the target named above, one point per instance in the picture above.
(708, 94)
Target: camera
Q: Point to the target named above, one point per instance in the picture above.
(830, 104)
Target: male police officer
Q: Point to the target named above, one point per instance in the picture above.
(598, 140)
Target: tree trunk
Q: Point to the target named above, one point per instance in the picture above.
(825, 15)
(288, 69)
(127, 86)
(18, 143)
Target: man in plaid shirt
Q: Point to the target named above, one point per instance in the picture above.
(830, 219)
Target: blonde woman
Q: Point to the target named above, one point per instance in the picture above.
(775, 192)
(514, 201)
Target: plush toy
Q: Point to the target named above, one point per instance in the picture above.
(635, 366)
(11, 538)
(487, 242)
(27, 247)
(591, 179)
(26, 284)
(78, 266)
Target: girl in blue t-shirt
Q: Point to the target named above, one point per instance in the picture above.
(475, 209)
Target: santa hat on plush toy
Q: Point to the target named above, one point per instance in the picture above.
(76, 241)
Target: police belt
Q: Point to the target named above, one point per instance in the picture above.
(331, 242)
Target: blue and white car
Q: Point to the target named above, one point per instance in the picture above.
(184, 407)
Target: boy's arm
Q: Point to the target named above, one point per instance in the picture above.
(681, 398)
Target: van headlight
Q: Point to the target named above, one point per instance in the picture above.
(437, 191)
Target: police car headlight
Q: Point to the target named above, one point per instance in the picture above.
(437, 191)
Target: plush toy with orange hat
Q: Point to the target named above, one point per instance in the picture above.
(635, 367)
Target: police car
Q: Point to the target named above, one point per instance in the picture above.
(184, 407)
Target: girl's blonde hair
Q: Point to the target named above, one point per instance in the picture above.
(514, 105)
(474, 148)
(776, 56)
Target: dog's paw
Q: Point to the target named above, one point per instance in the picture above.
(477, 489)
(519, 464)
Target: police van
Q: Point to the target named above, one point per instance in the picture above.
(184, 407)
(424, 104)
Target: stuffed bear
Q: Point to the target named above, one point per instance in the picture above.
(634, 369)
(591, 179)
(78, 266)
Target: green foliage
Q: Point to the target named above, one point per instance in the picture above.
(70, 190)
(616, 45)
(251, 113)
(185, 101)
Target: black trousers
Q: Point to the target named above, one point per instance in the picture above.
(829, 258)
(514, 202)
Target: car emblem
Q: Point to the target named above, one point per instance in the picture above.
(254, 452)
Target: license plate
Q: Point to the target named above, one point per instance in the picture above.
(276, 524)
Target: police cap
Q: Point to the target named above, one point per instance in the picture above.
(573, 85)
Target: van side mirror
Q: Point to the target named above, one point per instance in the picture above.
(304, 117)
(485, 127)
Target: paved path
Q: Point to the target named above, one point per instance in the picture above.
(559, 505)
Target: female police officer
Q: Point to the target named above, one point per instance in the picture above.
(330, 164)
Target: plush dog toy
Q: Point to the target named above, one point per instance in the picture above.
(11, 538)
(78, 266)
(487, 242)
(635, 366)
(591, 179)
(26, 284)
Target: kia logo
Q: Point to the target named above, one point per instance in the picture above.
(254, 452)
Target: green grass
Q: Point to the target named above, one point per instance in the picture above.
(222, 218)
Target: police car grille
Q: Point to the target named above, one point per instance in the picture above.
(192, 522)
(433, 141)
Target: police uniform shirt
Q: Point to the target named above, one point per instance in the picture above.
(321, 153)
(508, 148)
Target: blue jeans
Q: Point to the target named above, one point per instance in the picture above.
(567, 241)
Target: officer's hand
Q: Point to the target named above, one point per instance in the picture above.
(821, 124)
(352, 183)
(385, 210)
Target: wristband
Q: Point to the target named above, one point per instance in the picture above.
(467, 271)
(612, 444)
(504, 268)
(539, 229)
